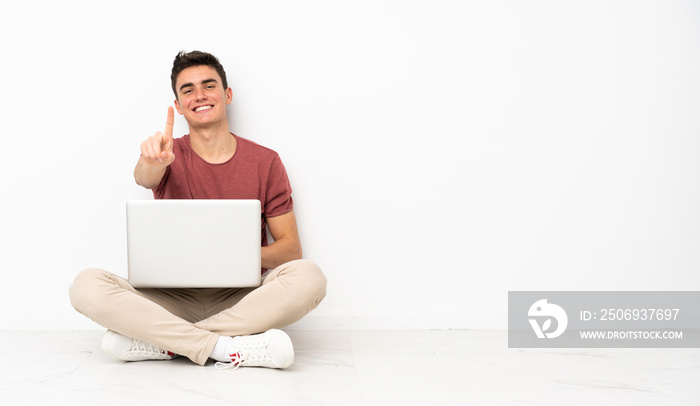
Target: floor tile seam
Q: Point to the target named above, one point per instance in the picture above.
(354, 363)
(70, 374)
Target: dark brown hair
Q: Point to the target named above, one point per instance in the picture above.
(185, 60)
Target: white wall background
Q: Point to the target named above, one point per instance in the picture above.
(442, 153)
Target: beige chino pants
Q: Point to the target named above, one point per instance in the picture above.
(188, 322)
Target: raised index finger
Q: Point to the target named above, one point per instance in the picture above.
(169, 123)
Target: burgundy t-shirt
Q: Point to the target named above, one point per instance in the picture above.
(254, 172)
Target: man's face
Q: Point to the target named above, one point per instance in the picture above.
(201, 97)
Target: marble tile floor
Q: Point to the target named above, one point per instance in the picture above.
(393, 367)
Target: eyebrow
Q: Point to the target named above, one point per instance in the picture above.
(205, 81)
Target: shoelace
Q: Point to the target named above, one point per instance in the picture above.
(234, 364)
(250, 354)
(144, 348)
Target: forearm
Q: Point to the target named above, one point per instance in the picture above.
(281, 251)
(148, 174)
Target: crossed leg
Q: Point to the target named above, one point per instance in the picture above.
(189, 322)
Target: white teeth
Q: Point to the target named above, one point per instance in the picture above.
(200, 108)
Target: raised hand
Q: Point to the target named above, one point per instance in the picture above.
(158, 148)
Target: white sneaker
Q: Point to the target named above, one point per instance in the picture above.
(271, 349)
(130, 349)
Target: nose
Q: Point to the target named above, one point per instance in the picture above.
(200, 94)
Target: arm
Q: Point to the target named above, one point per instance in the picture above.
(147, 174)
(287, 246)
(156, 155)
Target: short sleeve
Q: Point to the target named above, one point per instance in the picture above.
(278, 193)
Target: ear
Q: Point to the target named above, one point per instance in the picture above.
(177, 106)
(229, 95)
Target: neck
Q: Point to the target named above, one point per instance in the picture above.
(213, 145)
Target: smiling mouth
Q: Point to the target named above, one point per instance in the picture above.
(202, 108)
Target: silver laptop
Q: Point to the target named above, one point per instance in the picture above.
(193, 243)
